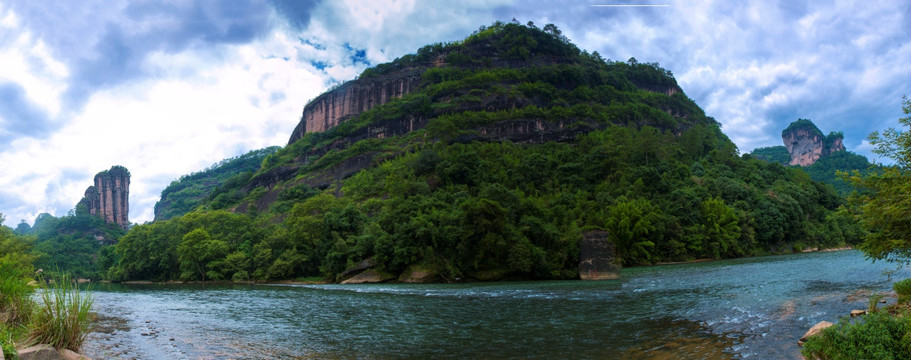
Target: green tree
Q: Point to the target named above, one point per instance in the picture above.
(199, 254)
(631, 225)
(886, 205)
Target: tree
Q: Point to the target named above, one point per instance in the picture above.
(630, 226)
(886, 205)
(199, 254)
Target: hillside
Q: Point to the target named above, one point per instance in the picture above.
(191, 191)
(494, 158)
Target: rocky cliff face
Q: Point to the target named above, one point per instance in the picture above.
(109, 197)
(806, 144)
(352, 98)
(597, 257)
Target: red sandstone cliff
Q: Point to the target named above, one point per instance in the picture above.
(806, 145)
(109, 197)
(352, 98)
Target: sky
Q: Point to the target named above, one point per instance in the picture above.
(169, 88)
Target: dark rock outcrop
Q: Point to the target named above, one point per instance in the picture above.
(109, 198)
(806, 143)
(597, 257)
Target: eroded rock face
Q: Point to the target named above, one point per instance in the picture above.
(352, 98)
(806, 145)
(109, 198)
(597, 257)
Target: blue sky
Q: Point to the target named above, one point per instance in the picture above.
(168, 88)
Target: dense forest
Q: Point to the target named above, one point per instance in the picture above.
(189, 191)
(631, 154)
(78, 243)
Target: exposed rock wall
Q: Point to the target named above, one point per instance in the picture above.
(352, 98)
(597, 257)
(806, 146)
(109, 198)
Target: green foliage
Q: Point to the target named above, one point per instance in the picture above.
(63, 318)
(778, 154)
(188, 192)
(903, 289)
(875, 336)
(72, 243)
(802, 124)
(827, 170)
(884, 204)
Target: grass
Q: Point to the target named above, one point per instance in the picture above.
(62, 318)
(15, 293)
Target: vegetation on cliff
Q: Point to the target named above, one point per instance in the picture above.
(515, 145)
(190, 191)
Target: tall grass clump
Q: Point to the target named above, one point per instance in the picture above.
(903, 289)
(62, 318)
(15, 293)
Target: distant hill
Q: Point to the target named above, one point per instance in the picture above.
(185, 194)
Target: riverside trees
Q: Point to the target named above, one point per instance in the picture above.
(886, 205)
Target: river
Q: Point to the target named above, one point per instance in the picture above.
(754, 308)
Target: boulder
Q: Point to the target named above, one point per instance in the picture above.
(369, 277)
(40, 352)
(816, 329)
(357, 268)
(418, 274)
(597, 258)
(856, 313)
(72, 355)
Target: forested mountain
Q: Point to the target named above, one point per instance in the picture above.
(489, 158)
(825, 154)
(190, 191)
(78, 243)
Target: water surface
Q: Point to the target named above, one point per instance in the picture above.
(752, 308)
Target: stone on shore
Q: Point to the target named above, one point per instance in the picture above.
(72, 355)
(816, 329)
(418, 274)
(47, 352)
(40, 352)
(369, 277)
(856, 313)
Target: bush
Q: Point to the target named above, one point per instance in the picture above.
(63, 317)
(875, 336)
(903, 288)
(15, 293)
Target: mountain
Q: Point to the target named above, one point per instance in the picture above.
(806, 144)
(511, 154)
(820, 156)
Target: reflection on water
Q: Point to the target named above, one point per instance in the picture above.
(747, 308)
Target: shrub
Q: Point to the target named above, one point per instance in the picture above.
(63, 317)
(15, 293)
(903, 288)
(875, 336)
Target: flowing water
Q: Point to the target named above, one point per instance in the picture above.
(753, 308)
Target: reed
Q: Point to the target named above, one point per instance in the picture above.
(63, 317)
